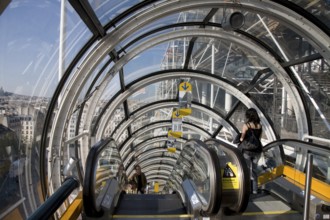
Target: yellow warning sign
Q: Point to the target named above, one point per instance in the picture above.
(230, 177)
(156, 187)
(176, 114)
(171, 149)
(175, 134)
(185, 111)
(185, 86)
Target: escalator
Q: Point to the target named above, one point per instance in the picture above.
(150, 206)
(248, 206)
(282, 182)
(210, 179)
(196, 169)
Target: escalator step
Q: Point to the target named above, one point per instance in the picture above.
(153, 217)
(150, 204)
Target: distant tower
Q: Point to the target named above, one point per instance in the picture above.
(2, 92)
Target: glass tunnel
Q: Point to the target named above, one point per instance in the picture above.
(89, 85)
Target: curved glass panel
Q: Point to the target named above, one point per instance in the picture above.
(112, 89)
(152, 116)
(319, 9)
(31, 39)
(160, 153)
(122, 137)
(109, 9)
(225, 59)
(192, 134)
(75, 33)
(202, 120)
(171, 19)
(184, 16)
(275, 34)
(316, 77)
(115, 119)
(150, 134)
(12, 164)
(145, 63)
(147, 95)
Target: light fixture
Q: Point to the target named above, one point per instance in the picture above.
(233, 21)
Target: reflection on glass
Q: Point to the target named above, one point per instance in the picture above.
(321, 167)
(290, 155)
(107, 167)
(107, 10)
(144, 64)
(151, 117)
(192, 164)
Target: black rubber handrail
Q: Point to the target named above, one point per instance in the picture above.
(298, 143)
(89, 197)
(49, 207)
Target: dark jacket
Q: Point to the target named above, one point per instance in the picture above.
(143, 180)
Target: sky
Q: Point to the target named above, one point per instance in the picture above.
(29, 33)
(29, 42)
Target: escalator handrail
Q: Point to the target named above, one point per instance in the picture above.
(89, 197)
(298, 143)
(214, 202)
(49, 207)
(243, 199)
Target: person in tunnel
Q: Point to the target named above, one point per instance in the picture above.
(250, 144)
(122, 178)
(140, 179)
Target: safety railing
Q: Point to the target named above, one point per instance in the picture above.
(293, 164)
(305, 166)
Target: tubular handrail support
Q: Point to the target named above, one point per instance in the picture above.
(308, 137)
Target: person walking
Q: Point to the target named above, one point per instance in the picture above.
(251, 145)
(140, 179)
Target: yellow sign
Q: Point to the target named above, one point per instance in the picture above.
(175, 134)
(185, 111)
(171, 149)
(156, 187)
(185, 86)
(230, 177)
(185, 98)
(176, 114)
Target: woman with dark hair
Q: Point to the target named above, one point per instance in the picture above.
(251, 145)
